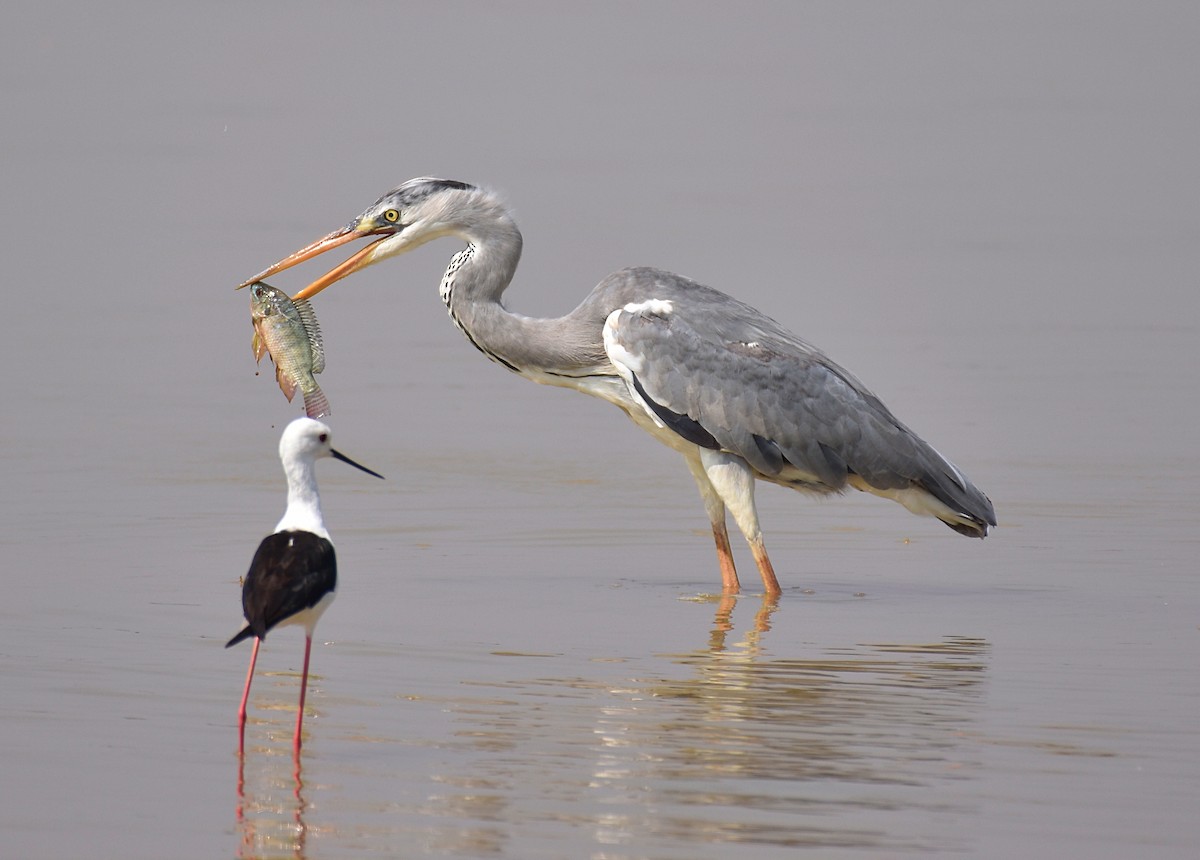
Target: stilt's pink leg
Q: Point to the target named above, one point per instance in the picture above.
(303, 690)
(246, 698)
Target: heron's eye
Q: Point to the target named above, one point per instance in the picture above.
(324, 437)
(391, 216)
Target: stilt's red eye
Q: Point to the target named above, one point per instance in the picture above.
(324, 437)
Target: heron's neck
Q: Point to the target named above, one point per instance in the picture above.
(304, 504)
(472, 288)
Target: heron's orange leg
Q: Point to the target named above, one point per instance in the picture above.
(770, 583)
(729, 577)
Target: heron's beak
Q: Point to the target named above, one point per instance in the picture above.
(359, 260)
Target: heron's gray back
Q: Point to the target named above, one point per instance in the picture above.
(726, 370)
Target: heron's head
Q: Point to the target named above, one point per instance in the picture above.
(408, 216)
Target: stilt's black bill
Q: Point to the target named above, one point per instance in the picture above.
(340, 456)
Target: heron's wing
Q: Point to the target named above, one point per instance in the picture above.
(728, 383)
(290, 572)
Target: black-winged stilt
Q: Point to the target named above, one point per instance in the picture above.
(294, 572)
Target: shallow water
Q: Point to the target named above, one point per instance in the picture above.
(989, 215)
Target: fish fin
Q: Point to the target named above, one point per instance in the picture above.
(259, 346)
(286, 384)
(308, 318)
(315, 404)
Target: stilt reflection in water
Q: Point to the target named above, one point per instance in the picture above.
(270, 814)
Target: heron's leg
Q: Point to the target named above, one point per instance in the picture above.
(246, 698)
(715, 508)
(734, 483)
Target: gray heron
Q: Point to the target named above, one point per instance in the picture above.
(293, 576)
(733, 391)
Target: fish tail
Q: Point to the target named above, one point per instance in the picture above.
(315, 403)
